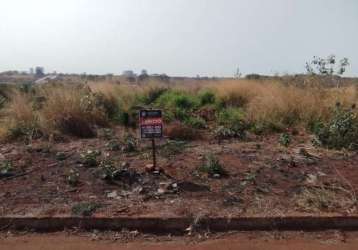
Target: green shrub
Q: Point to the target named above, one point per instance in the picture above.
(105, 133)
(230, 116)
(195, 122)
(168, 116)
(6, 169)
(61, 156)
(29, 131)
(222, 132)
(171, 148)
(128, 118)
(85, 208)
(285, 139)
(232, 123)
(152, 95)
(260, 128)
(207, 97)
(212, 166)
(130, 143)
(340, 132)
(3, 101)
(73, 178)
(179, 103)
(113, 145)
(89, 158)
(107, 170)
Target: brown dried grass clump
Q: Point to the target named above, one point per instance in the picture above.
(18, 117)
(71, 110)
(179, 131)
(277, 105)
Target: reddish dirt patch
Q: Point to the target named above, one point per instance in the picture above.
(263, 179)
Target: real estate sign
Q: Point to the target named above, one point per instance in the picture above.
(151, 123)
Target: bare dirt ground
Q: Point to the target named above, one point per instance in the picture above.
(263, 179)
(131, 240)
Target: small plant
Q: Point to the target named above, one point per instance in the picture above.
(89, 158)
(129, 143)
(128, 117)
(85, 208)
(171, 148)
(106, 133)
(152, 94)
(340, 132)
(107, 170)
(250, 176)
(60, 156)
(212, 166)
(196, 122)
(285, 139)
(180, 103)
(232, 124)
(3, 100)
(207, 97)
(221, 133)
(6, 169)
(113, 145)
(73, 178)
(23, 131)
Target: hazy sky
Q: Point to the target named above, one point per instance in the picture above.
(177, 37)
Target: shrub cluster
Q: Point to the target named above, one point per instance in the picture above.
(226, 108)
(341, 131)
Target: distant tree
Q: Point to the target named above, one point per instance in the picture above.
(109, 76)
(39, 71)
(143, 75)
(328, 66)
(238, 73)
(253, 76)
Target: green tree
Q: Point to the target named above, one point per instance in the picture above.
(328, 66)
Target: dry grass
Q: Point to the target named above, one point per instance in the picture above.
(18, 116)
(62, 109)
(280, 105)
(122, 94)
(70, 110)
(75, 109)
(316, 199)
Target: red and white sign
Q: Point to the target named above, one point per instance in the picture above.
(151, 123)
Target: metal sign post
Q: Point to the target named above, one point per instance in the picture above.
(153, 153)
(151, 127)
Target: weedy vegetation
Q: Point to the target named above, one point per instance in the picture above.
(85, 208)
(212, 166)
(223, 108)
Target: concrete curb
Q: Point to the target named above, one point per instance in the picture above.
(179, 224)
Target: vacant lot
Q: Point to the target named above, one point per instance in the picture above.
(231, 148)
